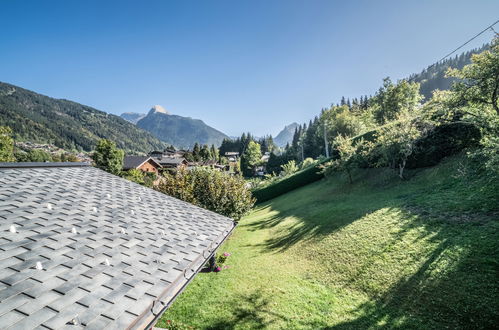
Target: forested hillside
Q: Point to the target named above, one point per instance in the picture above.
(182, 132)
(66, 124)
(434, 76)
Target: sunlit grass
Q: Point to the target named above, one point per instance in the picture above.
(378, 253)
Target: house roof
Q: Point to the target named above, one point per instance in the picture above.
(130, 162)
(81, 246)
(170, 160)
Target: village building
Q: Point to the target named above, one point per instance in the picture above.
(80, 247)
(232, 156)
(143, 163)
(171, 162)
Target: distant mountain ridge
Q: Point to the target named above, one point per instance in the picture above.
(132, 117)
(182, 132)
(66, 124)
(286, 135)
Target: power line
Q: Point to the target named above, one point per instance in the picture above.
(467, 42)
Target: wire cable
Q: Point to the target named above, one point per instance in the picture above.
(470, 40)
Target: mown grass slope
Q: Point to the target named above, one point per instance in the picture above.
(380, 253)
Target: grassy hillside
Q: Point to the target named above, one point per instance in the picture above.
(65, 124)
(380, 253)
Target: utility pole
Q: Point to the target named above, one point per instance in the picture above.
(325, 140)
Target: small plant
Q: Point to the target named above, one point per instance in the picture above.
(222, 258)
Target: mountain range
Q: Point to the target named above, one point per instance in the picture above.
(286, 135)
(66, 124)
(182, 132)
(73, 126)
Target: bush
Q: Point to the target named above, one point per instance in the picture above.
(216, 191)
(443, 141)
(299, 179)
(307, 162)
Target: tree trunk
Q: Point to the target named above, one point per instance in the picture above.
(350, 176)
(494, 95)
(401, 169)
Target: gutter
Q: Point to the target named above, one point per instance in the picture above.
(156, 309)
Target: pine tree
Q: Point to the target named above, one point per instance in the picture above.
(196, 152)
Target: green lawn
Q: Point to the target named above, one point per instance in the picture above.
(380, 253)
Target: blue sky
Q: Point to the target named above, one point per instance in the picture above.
(238, 65)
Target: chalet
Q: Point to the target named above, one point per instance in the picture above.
(232, 156)
(80, 247)
(143, 163)
(170, 162)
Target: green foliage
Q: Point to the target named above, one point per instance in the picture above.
(443, 141)
(396, 142)
(108, 157)
(309, 161)
(434, 77)
(341, 121)
(250, 159)
(37, 155)
(393, 99)
(348, 156)
(296, 180)
(479, 81)
(289, 168)
(68, 125)
(134, 175)
(375, 254)
(214, 190)
(6, 145)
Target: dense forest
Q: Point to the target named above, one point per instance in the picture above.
(66, 124)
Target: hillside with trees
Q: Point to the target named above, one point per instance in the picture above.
(66, 124)
(401, 232)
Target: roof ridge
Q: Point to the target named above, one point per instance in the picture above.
(42, 164)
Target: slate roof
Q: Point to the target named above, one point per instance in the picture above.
(114, 254)
(130, 162)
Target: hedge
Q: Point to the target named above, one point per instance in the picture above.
(444, 141)
(294, 181)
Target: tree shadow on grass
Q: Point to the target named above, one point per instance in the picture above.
(463, 294)
(455, 285)
(250, 311)
(316, 217)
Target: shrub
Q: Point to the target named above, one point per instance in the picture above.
(299, 179)
(307, 162)
(289, 168)
(443, 141)
(216, 191)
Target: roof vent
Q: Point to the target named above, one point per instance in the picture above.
(123, 231)
(12, 229)
(132, 212)
(39, 265)
(106, 262)
(73, 230)
(108, 195)
(94, 209)
(49, 206)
